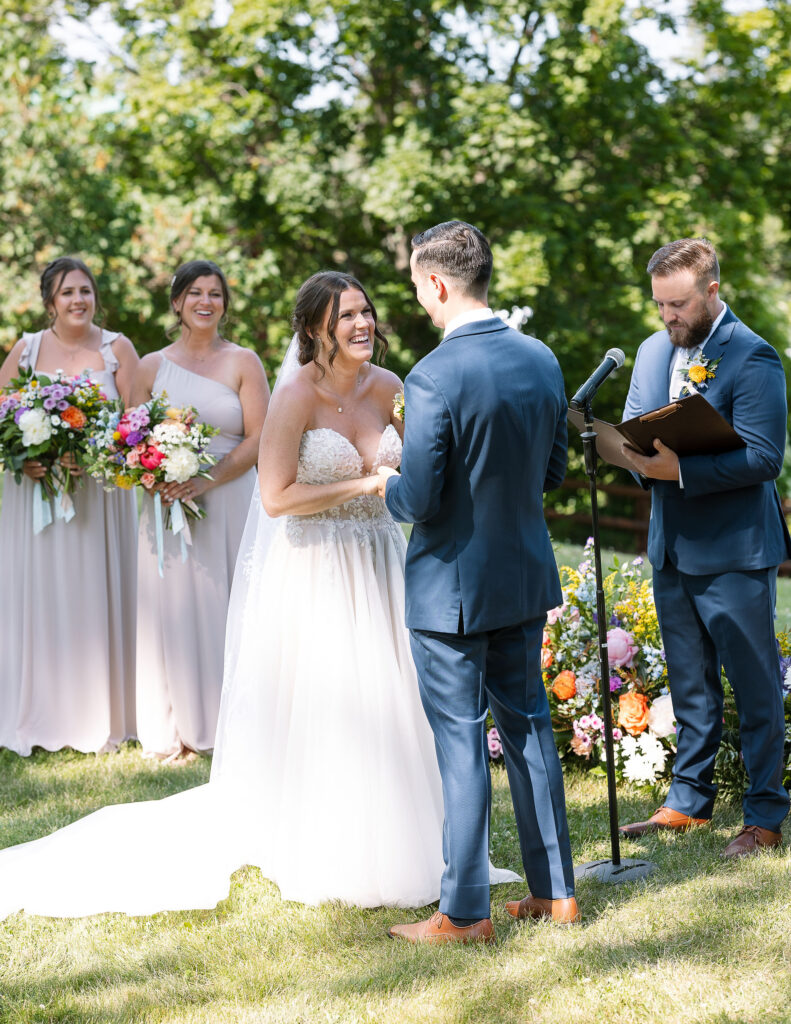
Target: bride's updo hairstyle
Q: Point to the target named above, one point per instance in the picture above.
(319, 293)
(52, 278)
(186, 275)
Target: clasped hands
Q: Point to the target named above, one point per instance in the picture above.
(662, 466)
(376, 483)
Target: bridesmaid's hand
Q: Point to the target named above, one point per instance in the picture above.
(33, 469)
(187, 491)
(68, 461)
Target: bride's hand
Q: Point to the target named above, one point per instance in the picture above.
(370, 485)
(383, 474)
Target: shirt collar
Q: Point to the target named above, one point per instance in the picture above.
(469, 316)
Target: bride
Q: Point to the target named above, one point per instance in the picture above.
(324, 772)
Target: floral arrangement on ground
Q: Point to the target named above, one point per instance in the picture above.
(644, 728)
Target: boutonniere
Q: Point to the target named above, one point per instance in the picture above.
(698, 372)
(398, 406)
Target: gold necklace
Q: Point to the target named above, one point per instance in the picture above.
(337, 397)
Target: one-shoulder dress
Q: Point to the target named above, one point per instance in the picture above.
(181, 617)
(67, 627)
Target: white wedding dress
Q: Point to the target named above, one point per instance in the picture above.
(324, 772)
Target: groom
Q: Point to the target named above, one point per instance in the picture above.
(485, 436)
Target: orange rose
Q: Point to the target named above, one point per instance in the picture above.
(633, 712)
(547, 658)
(565, 685)
(75, 417)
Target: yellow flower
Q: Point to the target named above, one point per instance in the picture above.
(173, 414)
(116, 435)
(697, 374)
(126, 482)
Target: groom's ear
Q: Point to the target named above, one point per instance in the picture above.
(438, 285)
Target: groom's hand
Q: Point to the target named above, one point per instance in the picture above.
(384, 473)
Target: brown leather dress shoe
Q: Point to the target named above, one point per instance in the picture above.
(665, 817)
(563, 911)
(752, 839)
(440, 928)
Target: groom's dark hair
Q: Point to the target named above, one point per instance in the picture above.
(458, 250)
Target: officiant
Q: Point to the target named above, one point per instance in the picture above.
(716, 539)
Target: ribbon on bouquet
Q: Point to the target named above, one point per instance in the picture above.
(42, 509)
(178, 524)
(64, 506)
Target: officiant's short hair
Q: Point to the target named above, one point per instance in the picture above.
(458, 250)
(695, 254)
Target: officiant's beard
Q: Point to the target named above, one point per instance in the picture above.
(691, 334)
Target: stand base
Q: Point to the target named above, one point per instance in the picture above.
(606, 871)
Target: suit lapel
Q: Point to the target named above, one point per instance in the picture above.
(655, 381)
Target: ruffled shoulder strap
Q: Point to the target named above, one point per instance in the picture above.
(29, 355)
(111, 364)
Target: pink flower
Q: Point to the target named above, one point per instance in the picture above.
(582, 745)
(554, 614)
(621, 647)
(493, 740)
(148, 480)
(133, 458)
(152, 457)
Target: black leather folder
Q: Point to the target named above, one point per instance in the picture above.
(689, 426)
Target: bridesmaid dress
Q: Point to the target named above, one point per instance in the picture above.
(181, 617)
(67, 627)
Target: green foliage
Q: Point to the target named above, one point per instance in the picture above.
(295, 136)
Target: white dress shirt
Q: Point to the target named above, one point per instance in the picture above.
(686, 357)
(469, 316)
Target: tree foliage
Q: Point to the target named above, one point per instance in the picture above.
(280, 138)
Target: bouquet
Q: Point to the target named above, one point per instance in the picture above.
(49, 418)
(149, 445)
(644, 725)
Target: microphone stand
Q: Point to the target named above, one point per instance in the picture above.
(615, 869)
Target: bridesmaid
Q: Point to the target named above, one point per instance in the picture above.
(67, 632)
(181, 618)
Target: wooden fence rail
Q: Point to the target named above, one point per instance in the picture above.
(636, 525)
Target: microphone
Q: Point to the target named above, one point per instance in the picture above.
(612, 360)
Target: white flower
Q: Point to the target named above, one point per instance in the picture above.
(181, 465)
(169, 432)
(661, 720)
(584, 685)
(35, 426)
(643, 756)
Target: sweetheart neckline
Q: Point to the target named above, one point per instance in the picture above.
(351, 444)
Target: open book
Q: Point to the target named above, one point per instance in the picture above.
(689, 426)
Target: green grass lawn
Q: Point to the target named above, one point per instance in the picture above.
(700, 941)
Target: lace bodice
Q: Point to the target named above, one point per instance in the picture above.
(325, 456)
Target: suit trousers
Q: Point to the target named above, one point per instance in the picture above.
(459, 677)
(708, 622)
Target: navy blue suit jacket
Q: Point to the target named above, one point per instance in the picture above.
(727, 517)
(485, 436)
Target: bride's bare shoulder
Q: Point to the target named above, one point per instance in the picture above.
(384, 381)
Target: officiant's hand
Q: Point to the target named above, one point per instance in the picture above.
(384, 473)
(662, 466)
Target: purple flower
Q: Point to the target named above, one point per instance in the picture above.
(62, 406)
(134, 437)
(138, 418)
(49, 403)
(615, 684)
(19, 413)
